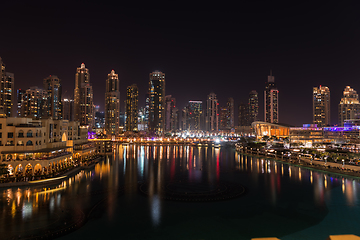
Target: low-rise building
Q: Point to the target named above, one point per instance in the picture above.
(31, 147)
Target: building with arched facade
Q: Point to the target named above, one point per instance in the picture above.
(30, 147)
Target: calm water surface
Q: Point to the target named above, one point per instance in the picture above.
(132, 195)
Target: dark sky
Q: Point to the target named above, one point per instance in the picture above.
(227, 49)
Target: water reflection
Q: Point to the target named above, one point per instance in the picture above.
(114, 183)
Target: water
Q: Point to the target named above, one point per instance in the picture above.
(184, 192)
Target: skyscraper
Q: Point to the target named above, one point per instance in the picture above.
(83, 97)
(112, 104)
(68, 109)
(157, 102)
(19, 101)
(6, 91)
(227, 115)
(169, 106)
(52, 85)
(194, 115)
(224, 120)
(253, 106)
(212, 113)
(349, 106)
(132, 96)
(35, 103)
(243, 117)
(230, 115)
(271, 101)
(321, 106)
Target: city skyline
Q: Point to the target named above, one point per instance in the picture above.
(302, 51)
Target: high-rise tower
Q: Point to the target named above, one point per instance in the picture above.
(157, 102)
(321, 106)
(83, 97)
(6, 91)
(132, 95)
(243, 116)
(170, 113)
(68, 109)
(194, 115)
(253, 106)
(112, 104)
(212, 113)
(349, 106)
(35, 103)
(271, 101)
(52, 85)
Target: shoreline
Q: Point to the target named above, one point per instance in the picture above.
(315, 166)
(53, 180)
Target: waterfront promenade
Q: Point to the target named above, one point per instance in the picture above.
(333, 167)
(55, 178)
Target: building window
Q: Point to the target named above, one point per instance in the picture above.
(10, 135)
(29, 143)
(29, 134)
(21, 134)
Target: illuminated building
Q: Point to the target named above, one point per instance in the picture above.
(307, 135)
(230, 107)
(146, 112)
(170, 114)
(112, 104)
(19, 101)
(99, 118)
(223, 118)
(194, 115)
(321, 106)
(52, 85)
(349, 106)
(6, 90)
(227, 115)
(212, 113)
(30, 147)
(271, 101)
(253, 106)
(142, 123)
(311, 134)
(68, 109)
(243, 116)
(183, 124)
(270, 129)
(34, 103)
(132, 96)
(83, 98)
(156, 102)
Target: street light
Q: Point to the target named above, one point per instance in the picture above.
(343, 163)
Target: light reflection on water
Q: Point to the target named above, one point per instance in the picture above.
(114, 183)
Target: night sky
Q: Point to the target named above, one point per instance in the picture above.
(227, 49)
